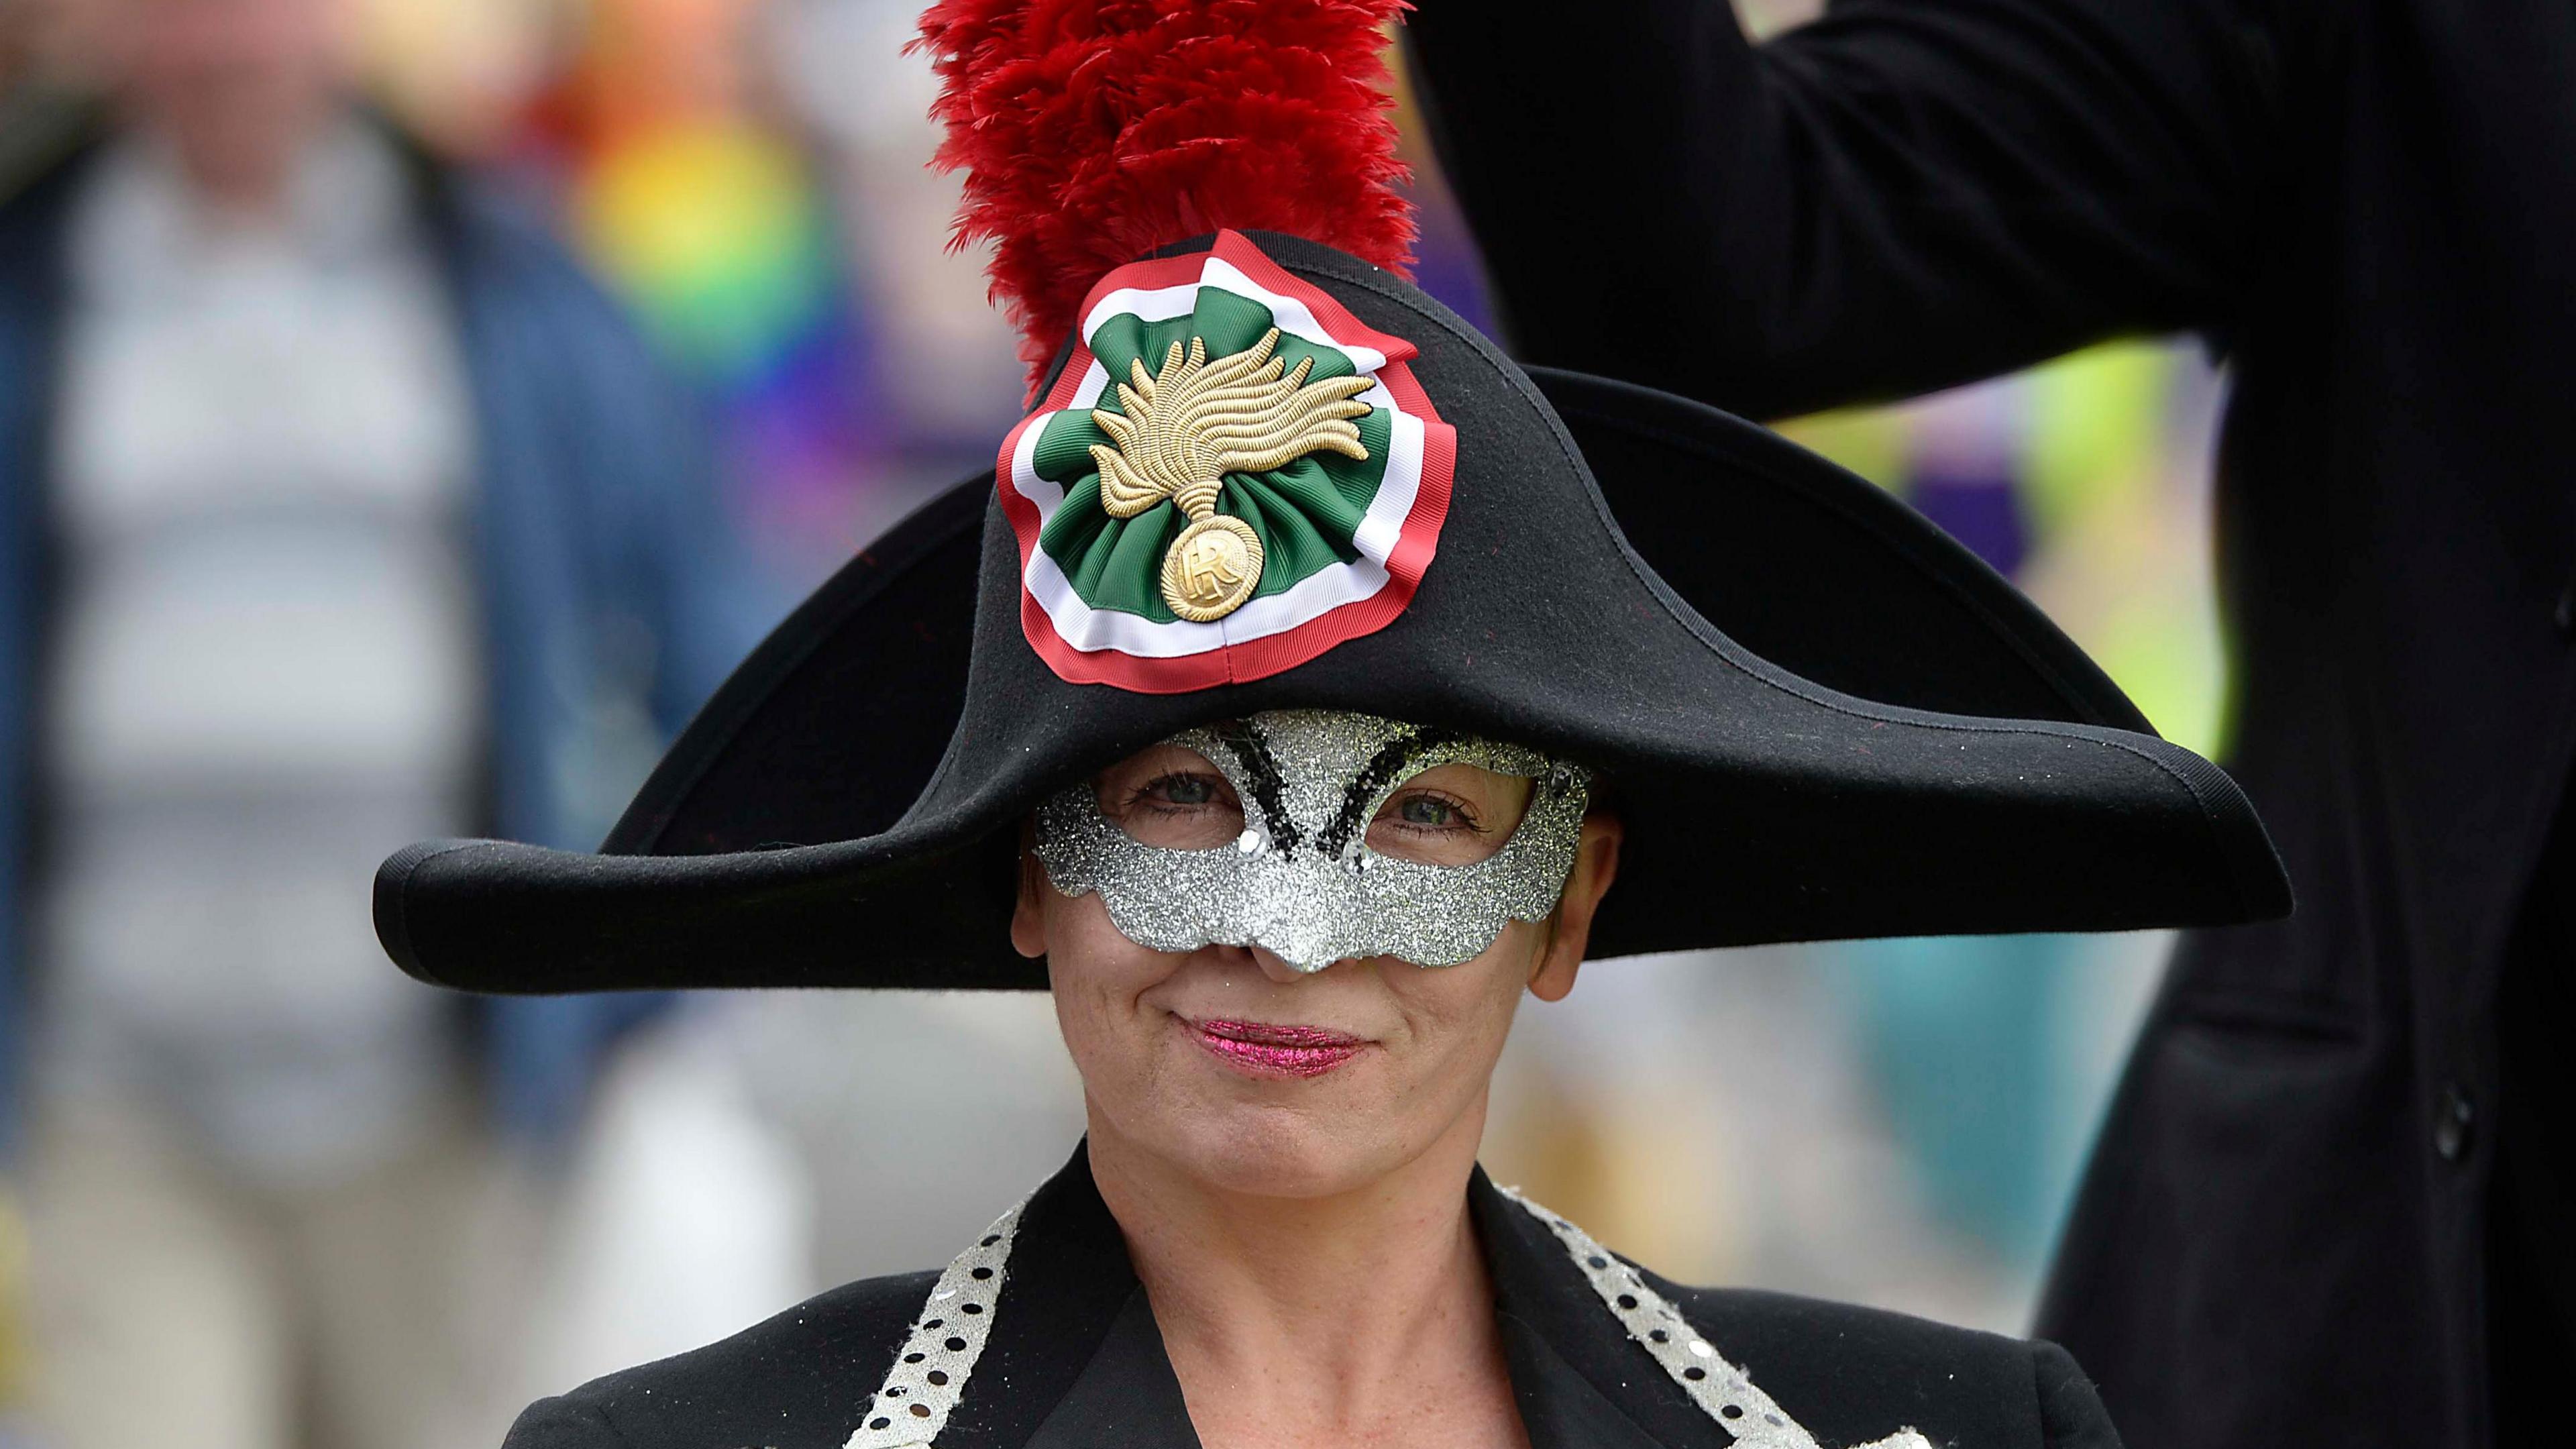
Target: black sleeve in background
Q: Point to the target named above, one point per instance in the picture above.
(563, 1423)
(1900, 196)
(2071, 1415)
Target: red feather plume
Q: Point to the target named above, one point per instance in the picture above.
(1093, 131)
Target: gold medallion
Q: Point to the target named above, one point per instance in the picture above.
(1179, 432)
(1211, 568)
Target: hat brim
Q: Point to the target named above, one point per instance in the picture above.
(1951, 761)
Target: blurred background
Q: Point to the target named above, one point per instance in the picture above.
(341, 510)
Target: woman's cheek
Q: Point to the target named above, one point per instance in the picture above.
(1466, 1009)
(1099, 977)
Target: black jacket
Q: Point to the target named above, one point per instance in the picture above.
(2367, 205)
(1074, 1361)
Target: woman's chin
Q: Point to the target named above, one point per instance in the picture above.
(1262, 1150)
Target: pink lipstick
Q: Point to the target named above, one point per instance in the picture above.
(1275, 1051)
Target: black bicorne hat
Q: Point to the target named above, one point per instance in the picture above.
(1817, 716)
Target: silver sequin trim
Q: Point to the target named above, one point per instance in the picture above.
(929, 1377)
(930, 1373)
(1722, 1391)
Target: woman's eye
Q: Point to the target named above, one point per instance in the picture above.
(1425, 811)
(1428, 810)
(1182, 790)
(1174, 805)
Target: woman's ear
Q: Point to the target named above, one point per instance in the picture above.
(1028, 913)
(1596, 865)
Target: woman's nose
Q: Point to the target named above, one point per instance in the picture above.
(1276, 967)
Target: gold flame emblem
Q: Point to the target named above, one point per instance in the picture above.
(1183, 429)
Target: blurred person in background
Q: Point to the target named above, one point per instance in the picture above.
(2329, 1203)
(336, 507)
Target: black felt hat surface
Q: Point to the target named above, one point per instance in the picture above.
(1816, 715)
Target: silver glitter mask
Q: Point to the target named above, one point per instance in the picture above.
(1301, 880)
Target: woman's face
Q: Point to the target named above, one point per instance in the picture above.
(1249, 1076)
